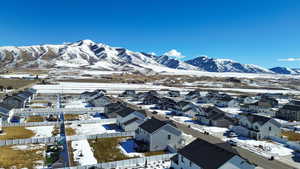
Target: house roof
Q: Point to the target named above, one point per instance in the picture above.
(151, 125)
(133, 120)
(125, 112)
(6, 106)
(207, 155)
(253, 118)
(291, 107)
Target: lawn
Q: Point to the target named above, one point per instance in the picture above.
(10, 157)
(70, 131)
(106, 149)
(71, 117)
(291, 136)
(16, 133)
(55, 131)
(16, 83)
(154, 153)
(35, 119)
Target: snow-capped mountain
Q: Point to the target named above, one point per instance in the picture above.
(225, 65)
(285, 70)
(175, 63)
(81, 54)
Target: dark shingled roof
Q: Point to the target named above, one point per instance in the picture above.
(125, 112)
(291, 107)
(207, 155)
(257, 118)
(131, 121)
(151, 125)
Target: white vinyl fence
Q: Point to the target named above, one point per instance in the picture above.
(30, 141)
(134, 162)
(104, 135)
(100, 121)
(29, 124)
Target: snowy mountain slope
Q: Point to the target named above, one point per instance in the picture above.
(174, 63)
(225, 65)
(285, 70)
(80, 54)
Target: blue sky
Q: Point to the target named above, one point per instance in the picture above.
(249, 31)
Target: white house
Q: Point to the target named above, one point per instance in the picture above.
(257, 126)
(200, 154)
(129, 119)
(157, 135)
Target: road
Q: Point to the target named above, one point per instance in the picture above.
(65, 153)
(250, 156)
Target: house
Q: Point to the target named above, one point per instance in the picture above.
(174, 93)
(264, 105)
(289, 111)
(129, 119)
(187, 108)
(156, 135)
(101, 101)
(88, 96)
(151, 99)
(192, 95)
(215, 117)
(5, 109)
(166, 104)
(201, 154)
(257, 126)
(15, 101)
(111, 109)
(128, 93)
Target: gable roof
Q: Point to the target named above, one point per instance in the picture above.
(133, 120)
(125, 112)
(291, 107)
(151, 125)
(207, 155)
(254, 118)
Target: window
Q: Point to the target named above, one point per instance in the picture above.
(270, 128)
(169, 137)
(190, 164)
(182, 159)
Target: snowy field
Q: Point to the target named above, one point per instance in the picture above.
(29, 76)
(77, 87)
(41, 131)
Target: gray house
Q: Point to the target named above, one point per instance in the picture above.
(5, 109)
(166, 104)
(200, 154)
(157, 135)
(187, 108)
(150, 99)
(129, 119)
(215, 117)
(257, 127)
(289, 112)
(101, 101)
(174, 93)
(192, 95)
(128, 93)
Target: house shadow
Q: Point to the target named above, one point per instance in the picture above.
(296, 156)
(129, 146)
(113, 127)
(99, 115)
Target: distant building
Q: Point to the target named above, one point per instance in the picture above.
(157, 135)
(166, 104)
(174, 93)
(101, 101)
(187, 108)
(289, 112)
(128, 93)
(192, 95)
(215, 117)
(200, 154)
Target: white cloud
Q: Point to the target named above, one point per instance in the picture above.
(152, 53)
(289, 59)
(174, 53)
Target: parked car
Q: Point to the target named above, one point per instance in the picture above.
(232, 134)
(232, 142)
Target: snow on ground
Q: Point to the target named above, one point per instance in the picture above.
(28, 146)
(75, 104)
(77, 87)
(29, 76)
(83, 153)
(41, 131)
(213, 129)
(151, 165)
(90, 129)
(255, 90)
(127, 148)
(266, 148)
(181, 119)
